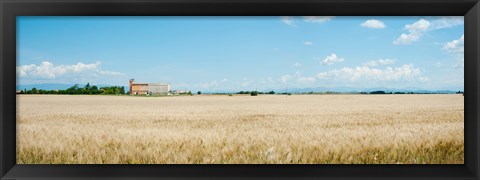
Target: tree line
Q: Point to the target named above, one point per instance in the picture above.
(254, 93)
(76, 89)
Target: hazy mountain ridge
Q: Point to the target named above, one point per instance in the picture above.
(358, 90)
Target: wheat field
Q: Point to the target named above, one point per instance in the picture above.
(279, 129)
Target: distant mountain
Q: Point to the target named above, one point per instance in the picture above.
(357, 90)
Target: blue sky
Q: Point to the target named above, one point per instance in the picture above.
(243, 53)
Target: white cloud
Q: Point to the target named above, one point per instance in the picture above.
(423, 78)
(417, 29)
(288, 20)
(380, 62)
(373, 23)
(209, 85)
(245, 82)
(415, 32)
(324, 75)
(48, 70)
(224, 80)
(405, 72)
(297, 65)
(299, 73)
(317, 19)
(332, 59)
(308, 43)
(270, 79)
(307, 79)
(407, 38)
(460, 64)
(419, 26)
(455, 46)
(23, 71)
(446, 22)
(108, 73)
(285, 78)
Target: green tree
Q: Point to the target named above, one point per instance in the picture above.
(377, 92)
(95, 90)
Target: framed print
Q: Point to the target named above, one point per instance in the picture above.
(239, 89)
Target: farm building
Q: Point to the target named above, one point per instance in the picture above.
(149, 88)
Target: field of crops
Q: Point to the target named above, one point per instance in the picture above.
(318, 129)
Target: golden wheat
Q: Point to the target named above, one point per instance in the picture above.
(319, 129)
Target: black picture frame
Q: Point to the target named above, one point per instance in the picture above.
(9, 9)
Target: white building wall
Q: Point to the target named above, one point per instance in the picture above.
(158, 88)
